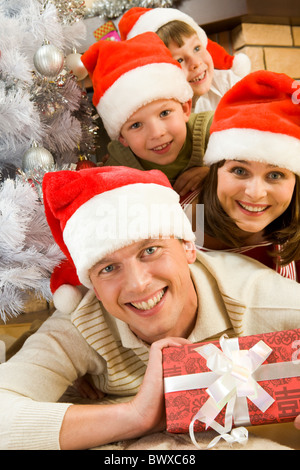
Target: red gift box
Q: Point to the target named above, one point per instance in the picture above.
(244, 381)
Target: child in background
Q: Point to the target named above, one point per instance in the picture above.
(199, 57)
(144, 101)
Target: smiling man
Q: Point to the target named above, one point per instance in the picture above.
(143, 287)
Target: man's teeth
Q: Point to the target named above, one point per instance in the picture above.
(150, 303)
(253, 208)
(197, 79)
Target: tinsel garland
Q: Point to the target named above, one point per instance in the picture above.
(114, 8)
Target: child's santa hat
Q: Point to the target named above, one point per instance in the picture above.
(139, 20)
(258, 119)
(129, 74)
(96, 211)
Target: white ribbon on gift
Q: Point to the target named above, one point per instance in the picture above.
(233, 379)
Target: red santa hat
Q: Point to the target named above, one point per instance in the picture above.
(139, 20)
(96, 211)
(258, 119)
(126, 75)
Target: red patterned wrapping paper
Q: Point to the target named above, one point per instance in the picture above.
(183, 405)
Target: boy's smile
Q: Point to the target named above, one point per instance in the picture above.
(157, 131)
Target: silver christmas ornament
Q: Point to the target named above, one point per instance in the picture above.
(49, 60)
(75, 65)
(37, 157)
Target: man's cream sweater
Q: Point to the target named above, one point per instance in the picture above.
(235, 294)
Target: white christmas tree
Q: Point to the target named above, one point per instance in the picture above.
(46, 122)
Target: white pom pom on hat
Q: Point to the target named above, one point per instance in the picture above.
(67, 298)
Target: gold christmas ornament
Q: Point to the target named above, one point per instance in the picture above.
(75, 66)
(37, 157)
(48, 60)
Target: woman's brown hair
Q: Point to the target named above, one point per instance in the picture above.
(284, 231)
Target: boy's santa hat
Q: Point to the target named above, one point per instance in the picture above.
(139, 20)
(258, 119)
(127, 75)
(96, 211)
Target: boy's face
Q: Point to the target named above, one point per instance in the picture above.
(148, 286)
(196, 62)
(157, 131)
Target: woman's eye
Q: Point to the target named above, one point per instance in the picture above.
(179, 60)
(197, 48)
(239, 171)
(275, 175)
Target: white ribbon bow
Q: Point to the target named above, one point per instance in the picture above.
(234, 384)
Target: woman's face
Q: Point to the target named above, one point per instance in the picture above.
(254, 194)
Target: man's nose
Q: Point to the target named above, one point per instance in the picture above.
(137, 277)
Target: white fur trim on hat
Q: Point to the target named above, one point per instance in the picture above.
(254, 145)
(152, 20)
(137, 88)
(116, 218)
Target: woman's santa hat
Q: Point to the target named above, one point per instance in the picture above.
(258, 119)
(127, 75)
(139, 20)
(96, 211)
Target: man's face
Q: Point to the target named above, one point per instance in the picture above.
(148, 286)
(157, 131)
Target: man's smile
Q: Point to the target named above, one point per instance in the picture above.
(151, 302)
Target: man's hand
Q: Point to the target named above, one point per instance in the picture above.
(149, 402)
(190, 180)
(88, 426)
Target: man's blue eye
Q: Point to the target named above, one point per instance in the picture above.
(150, 250)
(108, 269)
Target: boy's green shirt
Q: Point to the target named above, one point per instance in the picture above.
(190, 155)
